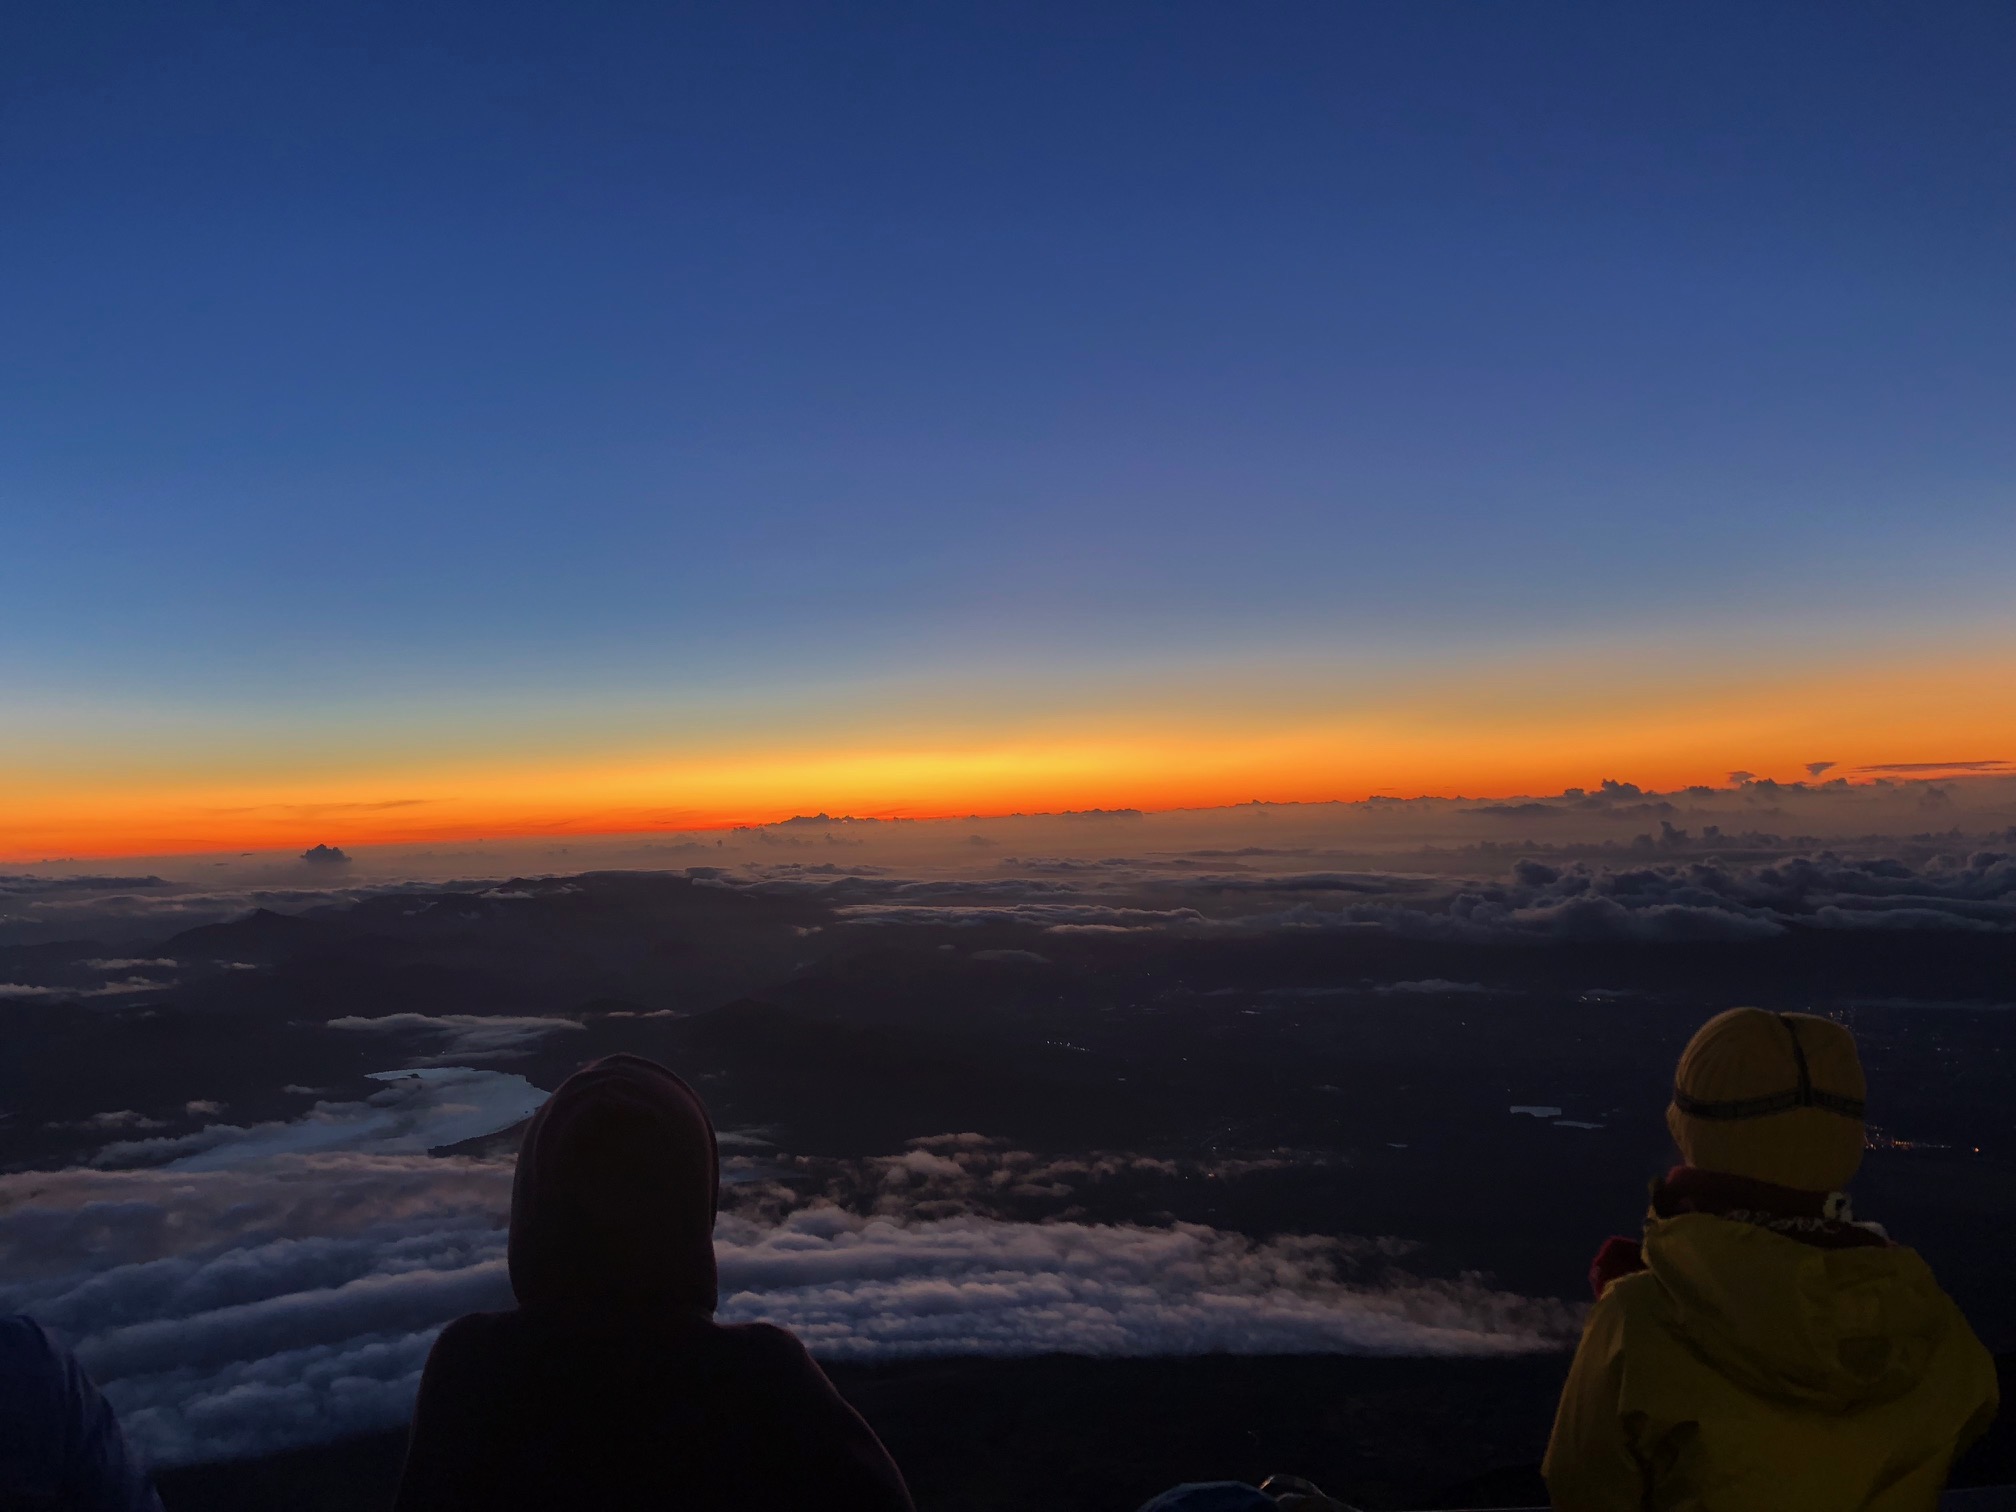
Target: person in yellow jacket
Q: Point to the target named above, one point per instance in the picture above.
(1763, 1352)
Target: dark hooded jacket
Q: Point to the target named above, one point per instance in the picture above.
(610, 1385)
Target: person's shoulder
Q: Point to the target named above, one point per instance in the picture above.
(775, 1355)
(29, 1355)
(762, 1343)
(50, 1402)
(472, 1339)
(1629, 1305)
(21, 1334)
(1635, 1289)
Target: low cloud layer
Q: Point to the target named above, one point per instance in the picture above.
(236, 1312)
(418, 1110)
(292, 1299)
(1042, 915)
(1327, 853)
(126, 988)
(859, 1288)
(1540, 899)
(142, 911)
(1702, 900)
(458, 1037)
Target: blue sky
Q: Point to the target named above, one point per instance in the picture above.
(436, 350)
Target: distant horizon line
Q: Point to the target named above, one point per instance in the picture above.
(1881, 775)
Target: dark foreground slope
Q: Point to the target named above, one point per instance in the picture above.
(1081, 1435)
(1069, 1434)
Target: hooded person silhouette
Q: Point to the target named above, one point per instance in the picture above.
(610, 1385)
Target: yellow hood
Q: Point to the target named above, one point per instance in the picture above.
(1817, 1328)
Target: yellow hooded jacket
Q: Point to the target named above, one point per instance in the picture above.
(1744, 1371)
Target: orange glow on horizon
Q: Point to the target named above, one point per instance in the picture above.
(1534, 733)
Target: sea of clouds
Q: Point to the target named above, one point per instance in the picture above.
(245, 1290)
(1534, 900)
(1945, 883)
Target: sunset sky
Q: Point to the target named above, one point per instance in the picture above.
(464, 420)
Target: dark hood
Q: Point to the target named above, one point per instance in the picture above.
(614, 1198)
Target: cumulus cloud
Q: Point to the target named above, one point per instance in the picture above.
(462, 1036)
(243, 1310)
(1820, 768)
(325, 855)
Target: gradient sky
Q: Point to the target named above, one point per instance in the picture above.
(603, 415)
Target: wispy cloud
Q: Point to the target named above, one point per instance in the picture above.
(118, 1118)
(124, 988)
(416, 1111)
(333, 809)
(462, 1036)
(1935, 766)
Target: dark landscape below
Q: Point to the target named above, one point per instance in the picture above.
(1233, 1050)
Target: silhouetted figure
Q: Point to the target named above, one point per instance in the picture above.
(61, 1449)
(1761, 1349)
(611, 1386)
